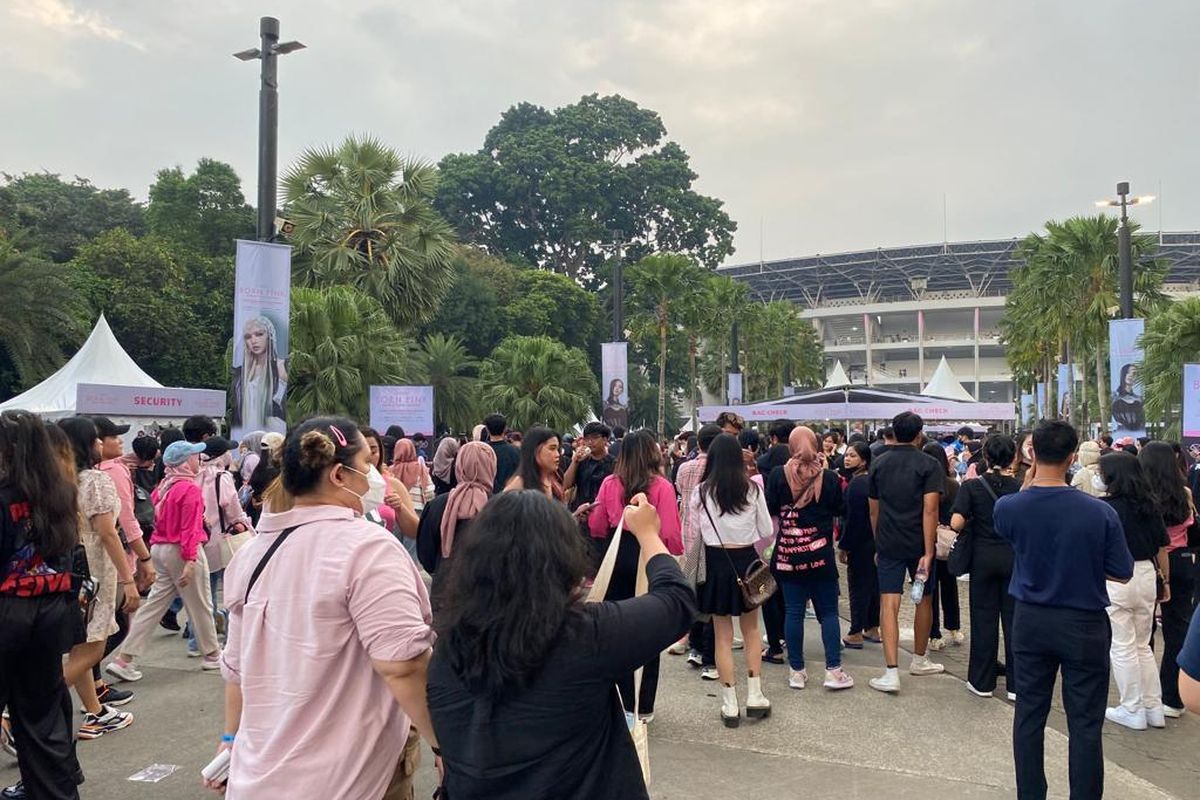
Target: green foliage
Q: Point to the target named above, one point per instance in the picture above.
(341, 343)
(538, 380)
(43, 318)
(553, 187)
(364, 217)
(1172, 339)
(204, 211)
(775, 343)
(53, 218)
(446, 365)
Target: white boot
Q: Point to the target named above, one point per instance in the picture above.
(757, 706)
(730, 714)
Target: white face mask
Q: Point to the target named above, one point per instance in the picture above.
(372, 499)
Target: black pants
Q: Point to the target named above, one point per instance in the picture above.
(1045, 640)
(115, 640)
(1176, 615)
(773, 616)
(33, 636)
(701, 639)
(863, 582)
(622, 587)
(945, 601)
(991, 607)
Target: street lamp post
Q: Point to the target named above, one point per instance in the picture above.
(268, 52)
(1124, 246)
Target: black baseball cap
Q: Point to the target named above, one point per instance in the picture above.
(106, 427)
(216, 446)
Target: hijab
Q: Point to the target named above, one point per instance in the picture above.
(187, 471)
(803, 470)
(405, 467)
(443, 459)
(475, 468)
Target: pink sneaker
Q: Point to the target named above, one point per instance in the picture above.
(211, 663)
(838, 679)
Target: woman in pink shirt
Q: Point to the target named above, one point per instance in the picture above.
(177, 547)
(329, 635)
(638, 470)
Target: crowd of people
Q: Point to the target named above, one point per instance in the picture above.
(507, 597)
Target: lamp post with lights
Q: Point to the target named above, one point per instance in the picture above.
(1124, 246)
(268, 51)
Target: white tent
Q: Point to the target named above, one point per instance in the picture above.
(838, 379)
(101, 360)
(944, 384)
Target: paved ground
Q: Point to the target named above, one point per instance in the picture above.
(934, 739)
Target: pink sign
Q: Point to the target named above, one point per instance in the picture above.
(146, 401)
(931, 410)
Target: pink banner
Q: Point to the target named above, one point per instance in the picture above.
(141, 401)
(932, 410)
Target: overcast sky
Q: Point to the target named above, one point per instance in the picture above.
(827, 124)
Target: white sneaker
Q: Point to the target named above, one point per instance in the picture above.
(679, 648)
(1135, 721)
(1170, 712)
(838, 679)
(695, 659)
(1012, 697)
(798, 679)
(936, 644)
(921, 665)
(889, 682)
(1156, 717)
(710, 674)
(978, 693)
(955, 638)
(123, 672)
(738, 644)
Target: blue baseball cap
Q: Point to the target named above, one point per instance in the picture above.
(179, 452)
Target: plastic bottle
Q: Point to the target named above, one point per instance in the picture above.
(918, 587)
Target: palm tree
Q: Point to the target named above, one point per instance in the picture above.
(363, 216)
(695, 314)
(660, 282)
(42, 314)
(536, 379)
(448, 367)
(1172, 339)
(341, 344)
(729, 301)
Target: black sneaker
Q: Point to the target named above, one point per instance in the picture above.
(14, 792)
(169, 622)
(110, 695)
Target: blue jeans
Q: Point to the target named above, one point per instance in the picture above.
(824, 596)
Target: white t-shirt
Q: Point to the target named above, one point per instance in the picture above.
(743, 528)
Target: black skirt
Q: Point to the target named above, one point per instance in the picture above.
(720, 593)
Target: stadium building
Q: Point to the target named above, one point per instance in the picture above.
(890, 314)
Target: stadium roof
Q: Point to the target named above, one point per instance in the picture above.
(910, 273)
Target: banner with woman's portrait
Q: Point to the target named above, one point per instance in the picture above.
(261, 306)
(614, 384)
(1125, 364)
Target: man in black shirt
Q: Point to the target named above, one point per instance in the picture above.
(904, 490)
(507, 456)
(777, 455)
(590, 465)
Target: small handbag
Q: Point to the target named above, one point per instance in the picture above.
(946, 537)
(758, 584)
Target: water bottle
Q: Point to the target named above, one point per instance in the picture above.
(918, 587)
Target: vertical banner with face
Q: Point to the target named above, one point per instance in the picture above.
(735, 388)
(1191, 410)
(1124, 366)
(1066, 392)
(261, 304)
(614, 383)
(1027, 411)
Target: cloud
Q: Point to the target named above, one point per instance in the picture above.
(60, 17)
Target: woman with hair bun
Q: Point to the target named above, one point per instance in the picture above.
(331, 601)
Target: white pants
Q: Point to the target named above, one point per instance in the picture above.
(1132, 616)
(197, 599)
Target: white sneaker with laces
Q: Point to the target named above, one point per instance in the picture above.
(889, 682)
(695, 659)
(936, 644)
(123, 672)
(921, 665)
(837, 679)
(1134, 720)
(798, 679)
(978, 693)
(679, 648)
(710, 674)
(1170, 712)
(1156, 717)
(738, 644)
(955, 638)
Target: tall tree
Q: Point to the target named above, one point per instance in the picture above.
(554, 187)
(446, 365)
(205, 211)
(777, 343)
(59, 216)
(1172, 339)
(659, 283)
(341, 343)
(535, 379)
(364, 217)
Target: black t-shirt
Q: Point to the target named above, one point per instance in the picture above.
(974, 503)
(777, 456)
(564, 735)
(588, 476)
(508, 458)
(899, 479)
(804, 544)
(24, 571)
(946, 504)
(1144, 533)
(857, 531)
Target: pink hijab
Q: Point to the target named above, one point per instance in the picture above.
(187, 471)
(405, 467)
(475, 468)
(803, 470)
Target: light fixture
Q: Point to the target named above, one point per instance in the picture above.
(248, 55)
(288, 47)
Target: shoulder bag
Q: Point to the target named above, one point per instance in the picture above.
(230, 543)
(637, 726)
(962, 550)
(758, 584)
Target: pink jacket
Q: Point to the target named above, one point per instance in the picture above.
(610, 505)
(230, 504)
(179, 519)
(117, 469)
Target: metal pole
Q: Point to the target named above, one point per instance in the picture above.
(268, 128)
(733, 348)
(1126, 255)
(618, 293)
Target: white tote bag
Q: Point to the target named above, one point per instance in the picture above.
(637, 728)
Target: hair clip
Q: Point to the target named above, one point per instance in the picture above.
(337, 434)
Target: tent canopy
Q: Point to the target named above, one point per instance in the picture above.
(101, 360)
(838, 378)
(945, 384)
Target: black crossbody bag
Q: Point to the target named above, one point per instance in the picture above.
(963, 551)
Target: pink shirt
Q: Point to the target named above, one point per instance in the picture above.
(1178, 534)
(230, 506)
(117, 470)
(610, 505)
(179, 519)
(317, 721)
